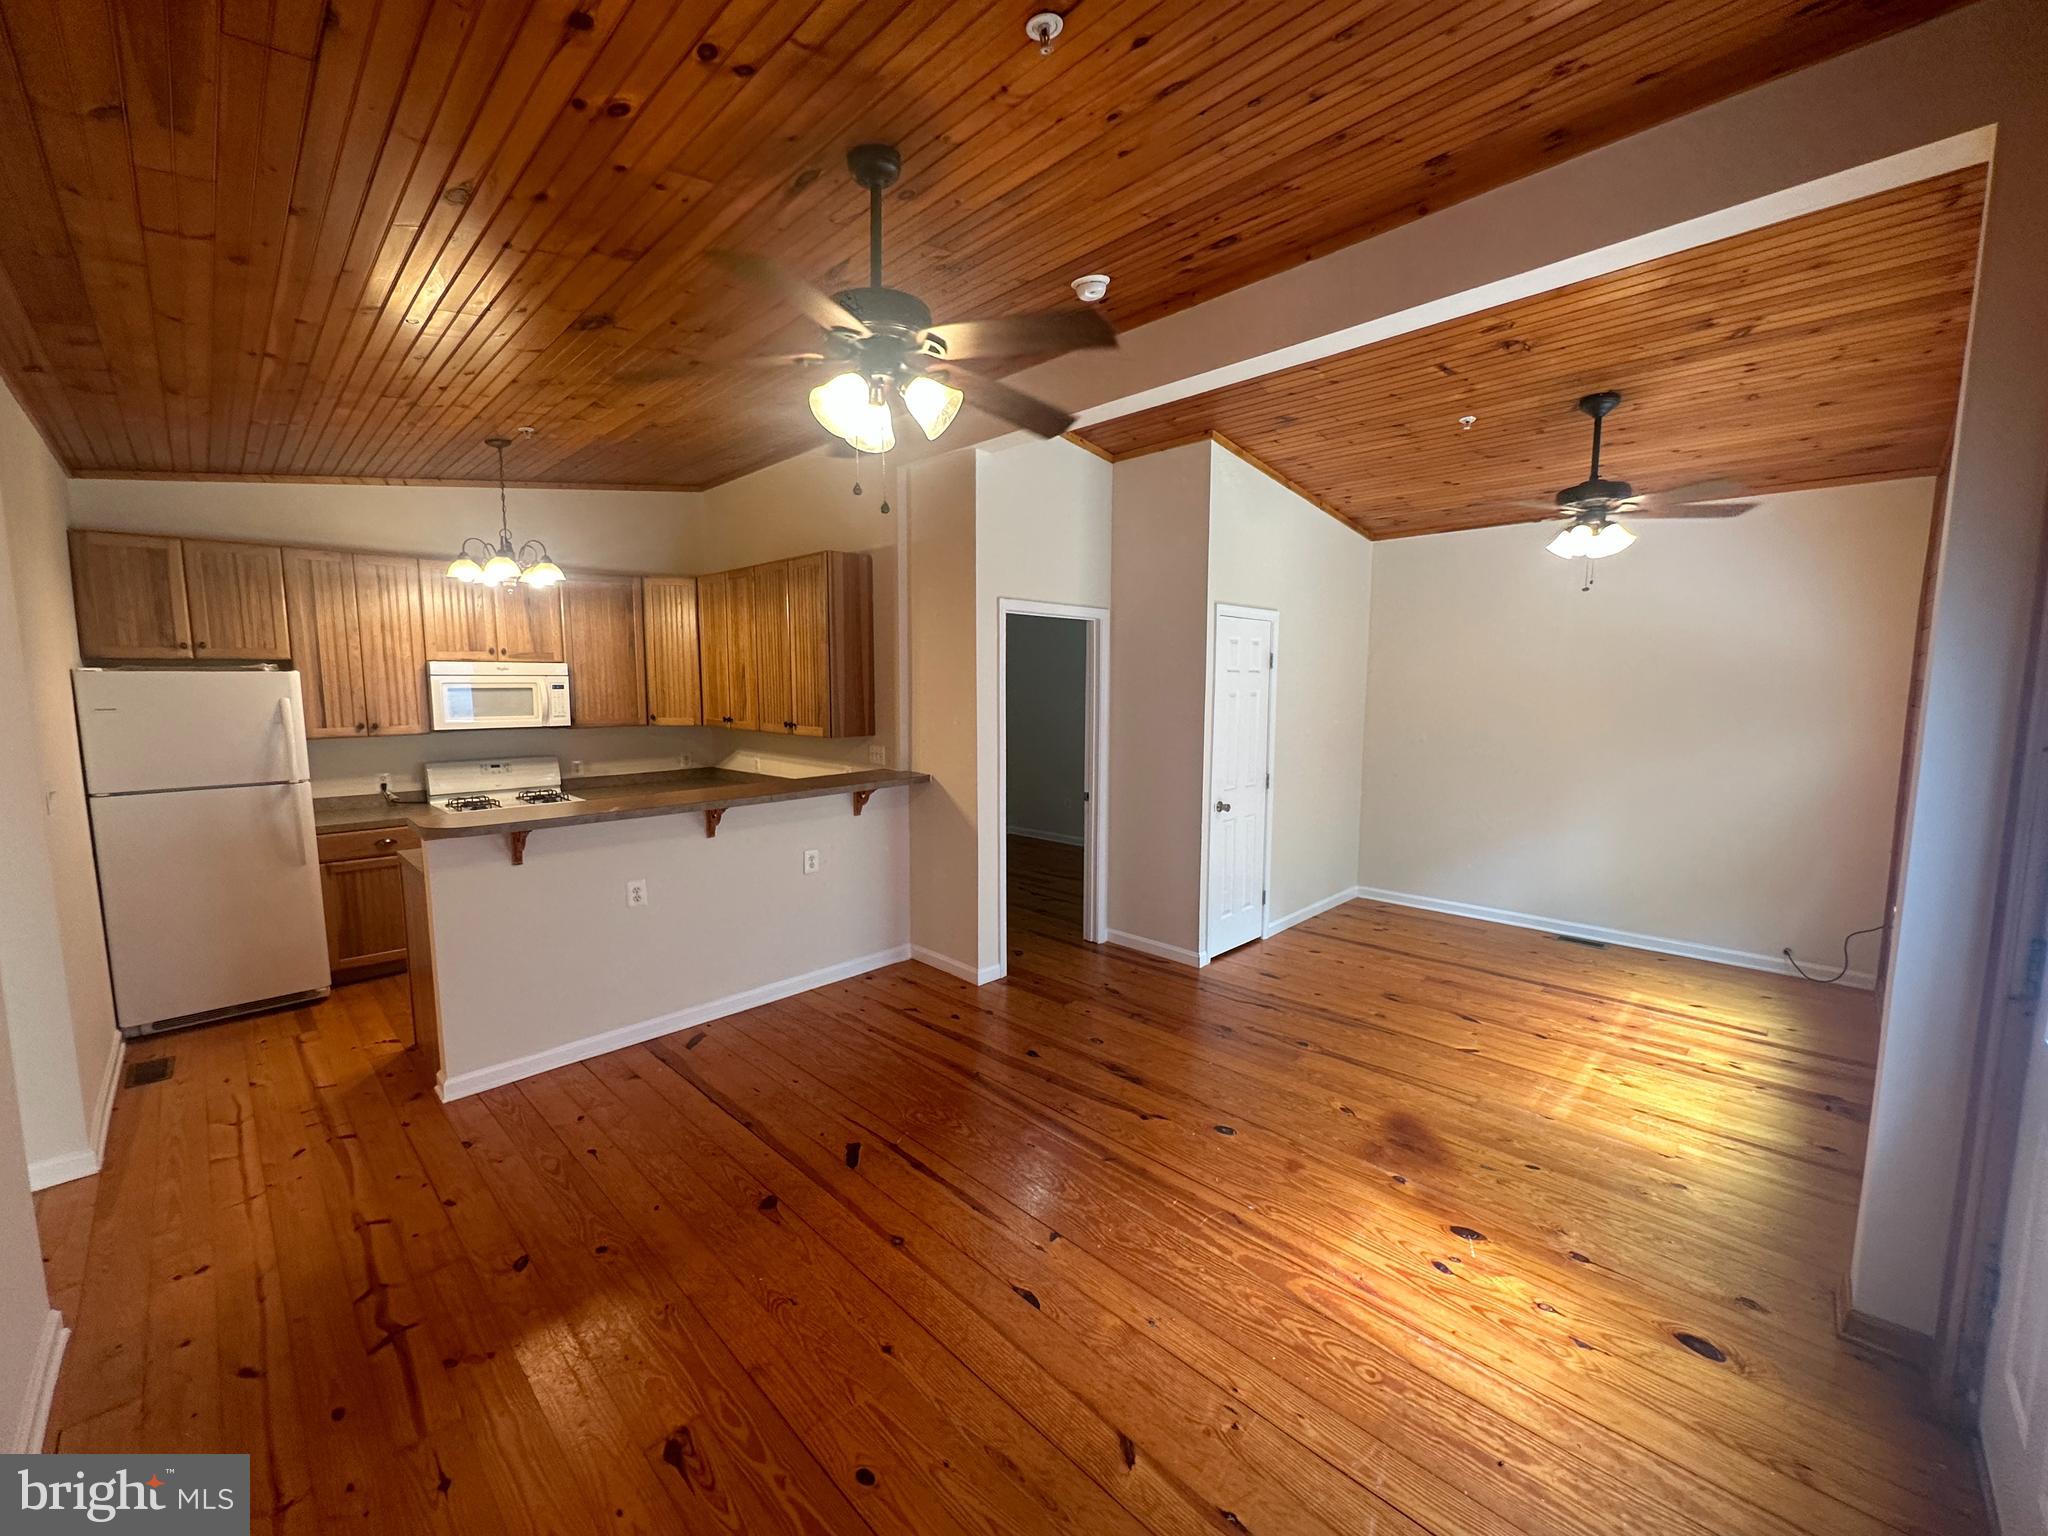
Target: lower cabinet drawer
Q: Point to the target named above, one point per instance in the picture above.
(372, 842)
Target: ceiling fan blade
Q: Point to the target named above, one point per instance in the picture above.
(1015, 407)
(1695, 509)
(771, 277)
(1699, 490)
(1066, 330)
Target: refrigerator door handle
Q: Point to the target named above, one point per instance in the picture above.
(294, 738)
(301, 802)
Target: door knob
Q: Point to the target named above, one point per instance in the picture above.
(1222, 805)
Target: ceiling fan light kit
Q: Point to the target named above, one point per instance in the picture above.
(530, 565)
(1592, 505)
(884, 349)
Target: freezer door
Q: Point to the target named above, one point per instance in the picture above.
(144, 731)
(212, 899)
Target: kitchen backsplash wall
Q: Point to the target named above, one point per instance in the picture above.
(351, 765)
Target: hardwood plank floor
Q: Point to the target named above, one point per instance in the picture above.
(1395, 1223)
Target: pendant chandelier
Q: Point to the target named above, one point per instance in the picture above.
(530, 566)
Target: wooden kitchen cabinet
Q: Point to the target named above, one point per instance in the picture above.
(813, 626)
(529, 623)
(725, 632)
(354, 623)
(362, 886)
(469, 621)
(675, 679)
(602, 639)
(320, 601)
(235, 596)
(129, 592)
(389, 627)
(767, 600)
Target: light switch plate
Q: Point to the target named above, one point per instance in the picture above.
(878, 754)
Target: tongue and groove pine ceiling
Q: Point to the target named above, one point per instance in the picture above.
(274, 238)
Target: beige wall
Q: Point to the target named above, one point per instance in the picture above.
(541, 963)
(1703, 750)
(794, 508)
(945, 923)
(1159, 631)
(60, 999)
(29, 1329)
(1042, 534)
(1268, 548)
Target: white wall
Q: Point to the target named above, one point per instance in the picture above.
(1269, 548)
(1045, 733)
(726, 916)
(1703, 750)
(53, 963)
(1159, 629)
(30, 1330)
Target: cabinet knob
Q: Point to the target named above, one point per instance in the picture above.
(386, 842)
(373, 727)
(199, 645)
(360, 727)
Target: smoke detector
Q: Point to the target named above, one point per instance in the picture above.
(1043, 28)
(1090, 289)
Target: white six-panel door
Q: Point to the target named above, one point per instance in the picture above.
(2014, 1423)
(1241, 741)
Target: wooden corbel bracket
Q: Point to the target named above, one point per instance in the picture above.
(517, 842)
(861, 797)
(711, 820)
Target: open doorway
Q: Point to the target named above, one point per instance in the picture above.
(1052, 724)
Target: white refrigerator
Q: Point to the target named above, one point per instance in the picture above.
(202, 823)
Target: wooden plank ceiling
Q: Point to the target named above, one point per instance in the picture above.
(1825, 350)
(348, 239)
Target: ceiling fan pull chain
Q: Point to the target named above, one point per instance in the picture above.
(1592, 568)
(856, 471)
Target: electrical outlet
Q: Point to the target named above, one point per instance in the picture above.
(636, 893)
(684, 760)
(878, 754)
(811, 861)
(576, 767)
(384, 783)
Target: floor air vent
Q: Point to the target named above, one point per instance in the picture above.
(1573, 938)
(155, 1070)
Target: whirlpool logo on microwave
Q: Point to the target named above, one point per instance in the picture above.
(165, 1495)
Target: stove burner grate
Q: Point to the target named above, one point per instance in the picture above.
(544, 796)
(469, 803)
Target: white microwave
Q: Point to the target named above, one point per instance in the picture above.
(497, 695)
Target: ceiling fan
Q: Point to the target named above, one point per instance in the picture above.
(880, 342)
(1592, 505)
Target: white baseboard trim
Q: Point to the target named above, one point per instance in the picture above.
(103, 1111)
(1313, 909)
(32, 1416)
(46, 1172)
(956, 968)
(479, 1079)
(1072, 840)
(1155, 948)
(1655, 943)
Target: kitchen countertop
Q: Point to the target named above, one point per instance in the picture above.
(367, 813)
(628, 796)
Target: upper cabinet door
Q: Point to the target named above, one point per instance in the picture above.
(320, 597)
(601, 639)
(530, 626)
(725, 631)
(674, 668)
(459, 618)
(394, 651)
(129, 590)
(767, 589)
(236, 597)
(810, 646)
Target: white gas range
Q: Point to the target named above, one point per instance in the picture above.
(496, 784)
